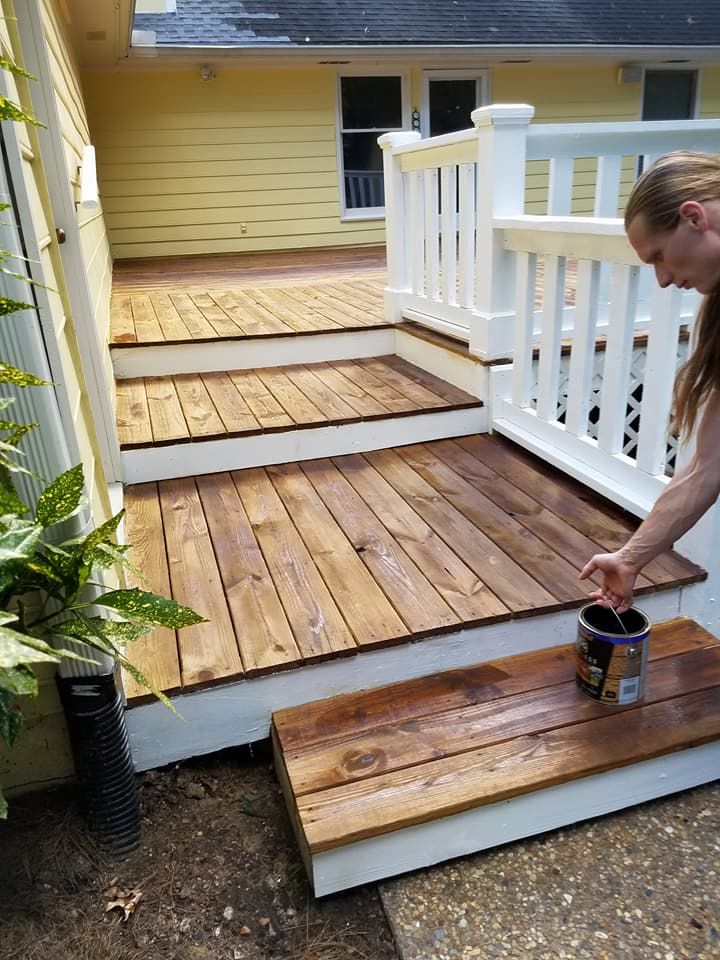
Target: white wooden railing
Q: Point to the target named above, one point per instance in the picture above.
(470, 218)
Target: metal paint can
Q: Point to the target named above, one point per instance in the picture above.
(611, 665)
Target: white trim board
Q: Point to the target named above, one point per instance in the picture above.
(522, 816)
(166, 359)
(467, 373)
(283, 446)
(239, 712)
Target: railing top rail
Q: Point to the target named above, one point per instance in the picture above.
(584, 238)
(431, 143)
(550, 140)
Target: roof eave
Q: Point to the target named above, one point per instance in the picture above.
(489, 52)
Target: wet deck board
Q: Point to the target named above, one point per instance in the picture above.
(186, 407)
(436, 536)
(375, 779)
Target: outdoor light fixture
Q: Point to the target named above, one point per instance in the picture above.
(207, 72)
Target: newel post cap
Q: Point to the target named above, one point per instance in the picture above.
(397, 139)
(503, 114)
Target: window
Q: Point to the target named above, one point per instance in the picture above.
(369, 107)
(669, 94)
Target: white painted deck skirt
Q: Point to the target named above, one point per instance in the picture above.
(235, 713)
(256, 450)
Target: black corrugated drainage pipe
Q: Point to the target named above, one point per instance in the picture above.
(108, 793)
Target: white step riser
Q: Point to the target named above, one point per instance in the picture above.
(523, 816)
(235, 453)
(235, 713)
(168, 359)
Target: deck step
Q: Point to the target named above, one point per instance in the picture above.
(414, 773)
(189, 424)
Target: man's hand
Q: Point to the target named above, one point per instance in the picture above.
(618, 580)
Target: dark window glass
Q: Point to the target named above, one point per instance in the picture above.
(451, 103)
(669, 95)
(373, 103)
(363, 166)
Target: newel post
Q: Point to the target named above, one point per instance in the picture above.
(396, 239)
(502, 132)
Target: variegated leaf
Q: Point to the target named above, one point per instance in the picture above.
(62, 498)
(147, 607)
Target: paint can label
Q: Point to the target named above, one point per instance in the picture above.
(611, 666)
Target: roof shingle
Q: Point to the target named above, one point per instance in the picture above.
(209, 23)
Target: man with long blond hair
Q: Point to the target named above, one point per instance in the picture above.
(672, 221)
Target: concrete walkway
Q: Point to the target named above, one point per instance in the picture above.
(643, 884)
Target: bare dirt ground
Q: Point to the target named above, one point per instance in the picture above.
(218, 876)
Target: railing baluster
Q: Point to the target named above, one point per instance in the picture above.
(658, 382)
(432, 233)
(448, 187)
(417, 232)
(466, 182)
(607, 189)
(582, 354)
(523, 352)
(560, 186)
(618, 357)
(550, 337)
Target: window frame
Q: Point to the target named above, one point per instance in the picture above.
(349, 214)
(481, 77)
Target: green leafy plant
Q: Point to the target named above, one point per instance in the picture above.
(50, 599)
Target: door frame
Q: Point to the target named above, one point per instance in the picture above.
(482, 89)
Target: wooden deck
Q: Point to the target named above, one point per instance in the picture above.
(190, 314)
(180, 409)
(402, 776)
(328, 558)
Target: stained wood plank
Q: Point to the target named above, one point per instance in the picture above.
(563, 538)
(332, 407)
(265, 408)
(166, 415)
(416, 393)
(155, 654)
(507, 580)
(451, 394)
(257, 319)
(331, 310)
(536, 558)
(461, 588)
(292, 399)
(132, 413)
(364, 607)
(408, 589)
(208, 651)
(263, 632)
(222, 324)
(316, 622)
(170, 321)
(193, 319)
(329, 304)
(390, 747)
(122, 326)
(231, 406)
(492, 774)
(147, 328)
(288, 310)
(353, 714)
(366, 406)
(569, 499)
(200, 414)
(373, 385)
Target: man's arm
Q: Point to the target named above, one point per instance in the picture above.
(681, 504)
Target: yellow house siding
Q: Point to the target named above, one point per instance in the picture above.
(710, 93)
(184, 163)
(42, 753)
